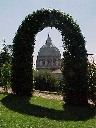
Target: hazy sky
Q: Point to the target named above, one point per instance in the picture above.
(13, 12)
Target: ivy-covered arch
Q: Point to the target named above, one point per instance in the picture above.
(75, 55)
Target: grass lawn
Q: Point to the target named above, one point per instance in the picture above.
(37, 112)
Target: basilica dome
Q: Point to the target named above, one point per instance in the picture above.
(49, 56)
(49, 49)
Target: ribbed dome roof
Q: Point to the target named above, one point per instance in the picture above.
(49, 49)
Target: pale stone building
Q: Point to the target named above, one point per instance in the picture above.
(48, 57)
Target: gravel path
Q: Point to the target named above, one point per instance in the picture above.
(43, 94)
(48, 95)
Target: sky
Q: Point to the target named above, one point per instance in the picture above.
(13, 12)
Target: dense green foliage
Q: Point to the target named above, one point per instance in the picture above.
(92, 81)
(5, 78)
(5, 67)
(18, 112)
(5, 55)
(75, 55)
(45, 80)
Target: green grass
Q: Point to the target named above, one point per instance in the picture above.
(36, 112)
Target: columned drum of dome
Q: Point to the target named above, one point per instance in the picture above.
(48, 57)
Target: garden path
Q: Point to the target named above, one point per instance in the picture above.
(43, 94)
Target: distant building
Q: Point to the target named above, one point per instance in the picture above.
(49, 57)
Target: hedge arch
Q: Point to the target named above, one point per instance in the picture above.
(75, 54)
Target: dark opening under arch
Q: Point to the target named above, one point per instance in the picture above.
(75, 55)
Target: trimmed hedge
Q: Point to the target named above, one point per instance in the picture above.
(75, 55)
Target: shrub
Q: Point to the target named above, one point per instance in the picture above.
(92, 81)
(5, 79)
(0, 76)
(75, 54)
(45, 80)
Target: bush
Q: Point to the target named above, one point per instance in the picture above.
(5, 72)
(92, 81)
(45, 80)
(75, 54)
(0, 76)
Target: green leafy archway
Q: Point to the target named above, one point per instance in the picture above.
(75, 55)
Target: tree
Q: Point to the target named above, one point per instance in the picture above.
(5, 56)
(5, 63)
(5, 75)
